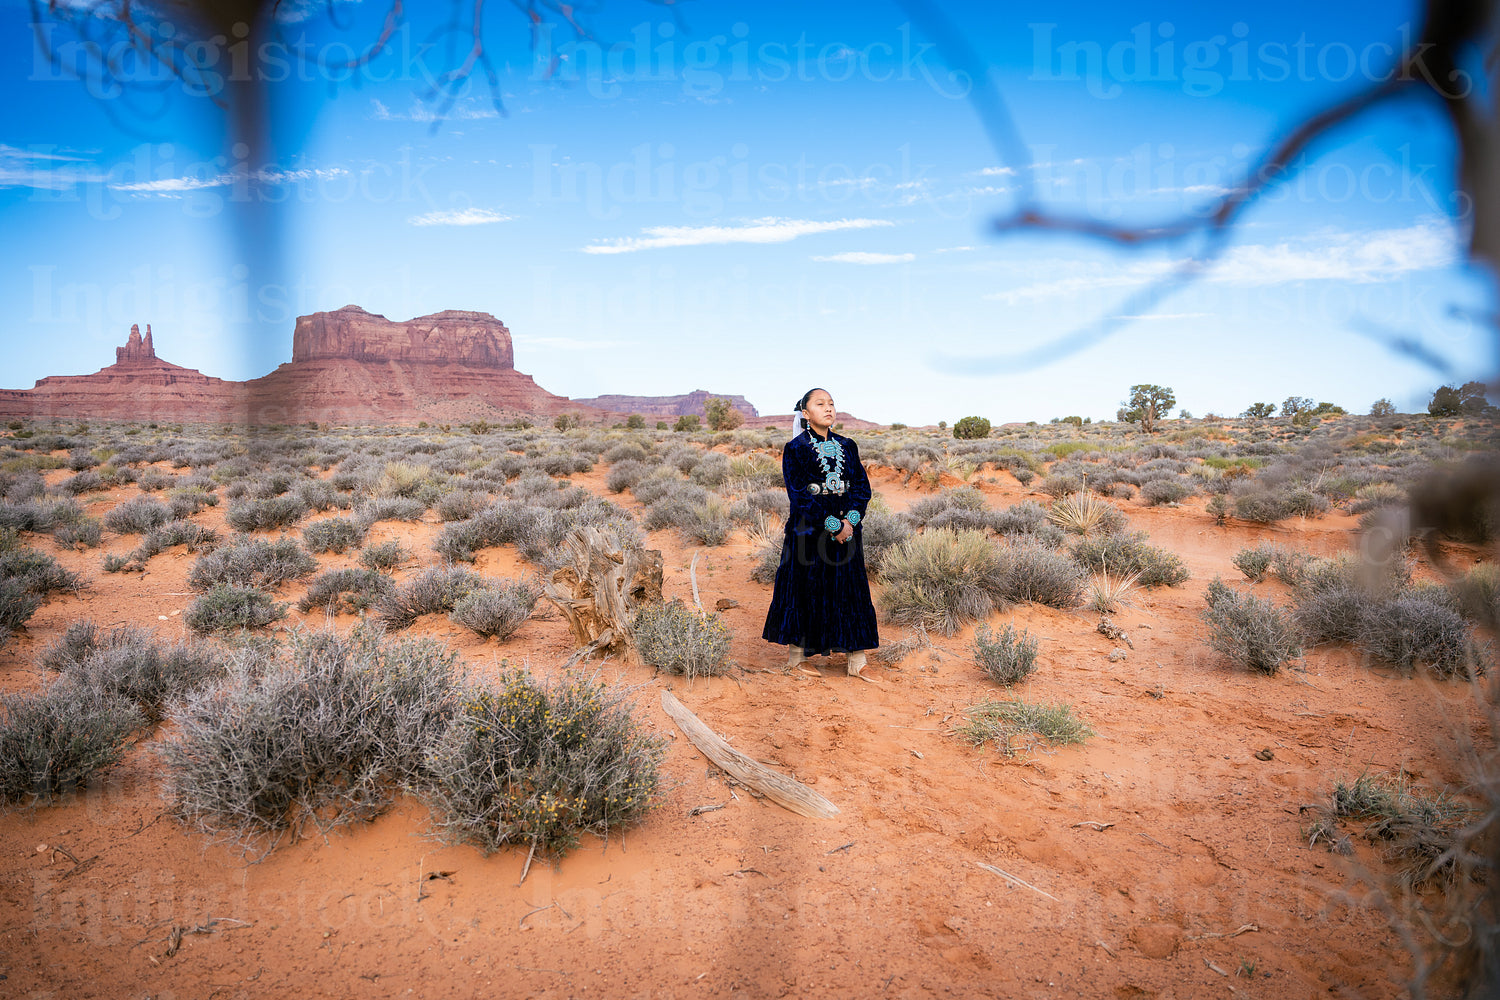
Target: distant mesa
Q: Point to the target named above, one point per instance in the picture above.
(348, 366)
(453, 336)
(667, 406)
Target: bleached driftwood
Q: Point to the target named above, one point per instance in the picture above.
(600, 588)
(780, 789)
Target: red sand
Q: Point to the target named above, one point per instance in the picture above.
(888, 899)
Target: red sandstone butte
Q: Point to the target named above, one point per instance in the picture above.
(348, 366)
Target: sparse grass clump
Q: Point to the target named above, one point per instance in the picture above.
(26, 578)
(1420, 831)
(1256, 562)
(346, 591)
(498, 608)
(679, 640)
(333, 534)
(1007, 656)
(537, 765)
(252, 563)
(86, 533)
(55, 740)
(1130, 552)
(1107, 593)
(1252, 632)
(1018, 727)
(1418, 628)
(1156, 492)
(943, 579)
(768, 561)
(226, 608)
(323, 734)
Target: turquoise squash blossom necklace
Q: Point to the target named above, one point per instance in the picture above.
(833, 476)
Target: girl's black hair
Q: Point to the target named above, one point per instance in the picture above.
(802, 403)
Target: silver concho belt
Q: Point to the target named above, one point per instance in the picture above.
(831, 486)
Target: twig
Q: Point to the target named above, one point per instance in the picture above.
(1107, 948)
(693, 576)
(843, 848)
(1216, 968)
(1158, 843)
(1244, 929)
(1020, 882)
(700, 810)
(520, 923)
(1101, 827)
(527, 867)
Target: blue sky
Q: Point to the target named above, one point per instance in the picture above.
(757, 198)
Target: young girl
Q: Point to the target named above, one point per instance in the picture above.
(822, 598)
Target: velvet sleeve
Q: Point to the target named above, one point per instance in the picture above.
(809, 511)
(858, 497)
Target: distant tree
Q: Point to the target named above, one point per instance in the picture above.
(1075, 421)
(635, 421)
(687, 422)
(942, 425)
(721, 414)
(1328, 410)
(1382, 408)
(1260, 410)
(1184, 415)
(898, 427)
(1471, 397)
(1147, 404)
(971, 428)
(1294, 405)
(661, 425)
(566, 421)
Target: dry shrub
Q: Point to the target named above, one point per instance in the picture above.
(137, 516)
(941, 580)
(130, 663)
(1085, 514)
(226, 608)
(540, 764)
(679, 640)
(333, 534)
(346, 591)
(55, 740)
(498, 608)
(252, 563)
(1008, 656)
(431, 591)
(1034, 573)
(1130, 552)
(325, 733)
(1002, 723)
(1252, 632)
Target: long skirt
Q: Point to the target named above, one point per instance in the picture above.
(822, 597)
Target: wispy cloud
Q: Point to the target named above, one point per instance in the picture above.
(171, 187)
(418, 112)
(1356, 257)
(996, 172)
(767, 230)
(44, 169)
(459, 217)
(860, 257)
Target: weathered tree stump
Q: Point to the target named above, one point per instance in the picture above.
(600, 588)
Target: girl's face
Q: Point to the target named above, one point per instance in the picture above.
(819, 411)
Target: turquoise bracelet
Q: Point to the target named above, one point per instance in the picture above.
(831, 523)
(852, 517)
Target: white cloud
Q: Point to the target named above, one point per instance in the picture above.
(1357, 257)
(767, 230)
(459, 217)
(1164, 316)
(859, 257)
(419, 112)
(996, 172)
(46, 171)
(170, 187)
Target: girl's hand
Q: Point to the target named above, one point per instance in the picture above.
(845, 533)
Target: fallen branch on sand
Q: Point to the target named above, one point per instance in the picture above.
(784, 791)
(1020, 882)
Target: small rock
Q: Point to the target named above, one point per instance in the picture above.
(1265, 754)
(725, 603)
(1116, 655)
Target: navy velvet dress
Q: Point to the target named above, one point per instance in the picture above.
(822, 596)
